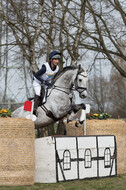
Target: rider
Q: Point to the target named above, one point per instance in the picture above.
(43, 77)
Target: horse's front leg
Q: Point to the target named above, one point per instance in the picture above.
(81, 119)
(77, 107)
(74, 109)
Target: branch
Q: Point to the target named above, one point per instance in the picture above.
(39, 21)
(79, 30)
(116, 65)
(21, 19)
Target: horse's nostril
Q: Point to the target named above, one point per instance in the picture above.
(82, 96)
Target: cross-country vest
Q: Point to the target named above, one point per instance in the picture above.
(49, 74)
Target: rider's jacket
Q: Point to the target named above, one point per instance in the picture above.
(45, 73)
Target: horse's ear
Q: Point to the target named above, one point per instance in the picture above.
(79, 67)
(86, 69)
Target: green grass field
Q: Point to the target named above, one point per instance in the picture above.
(113, 183)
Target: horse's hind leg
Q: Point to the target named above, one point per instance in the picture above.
(61, 129)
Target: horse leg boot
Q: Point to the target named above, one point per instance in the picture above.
(37, 103)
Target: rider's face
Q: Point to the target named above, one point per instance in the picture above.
(55, 62)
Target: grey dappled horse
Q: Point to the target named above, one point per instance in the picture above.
(60, 97)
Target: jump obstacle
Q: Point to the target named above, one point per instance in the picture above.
(17, 151)
(61, 158)
(70, 158)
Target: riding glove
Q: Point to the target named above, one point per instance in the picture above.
(47, 83)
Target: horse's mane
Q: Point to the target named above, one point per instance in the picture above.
(60, 73)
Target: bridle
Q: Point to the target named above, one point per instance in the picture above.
(74, 88)
(62, 89)
(79, 88)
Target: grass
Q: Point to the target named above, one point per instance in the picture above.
(113, 183)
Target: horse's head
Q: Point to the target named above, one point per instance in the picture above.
(81, 83)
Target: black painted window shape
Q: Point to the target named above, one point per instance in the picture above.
(66, 160)
(107, 158)
(87, 159)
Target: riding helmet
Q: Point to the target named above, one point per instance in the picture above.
(54, 55)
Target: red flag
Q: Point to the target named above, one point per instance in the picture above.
(28, 105)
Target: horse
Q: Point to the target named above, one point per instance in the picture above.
(60, 97)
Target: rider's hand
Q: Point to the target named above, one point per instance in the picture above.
(47, 83)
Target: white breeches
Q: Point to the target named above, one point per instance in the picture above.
(37, 88)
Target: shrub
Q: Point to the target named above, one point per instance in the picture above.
(6, 112)
(99, 116)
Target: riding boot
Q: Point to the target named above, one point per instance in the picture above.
(42, 94)
(37, 103)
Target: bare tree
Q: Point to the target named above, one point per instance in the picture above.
(6, 57)
(80, 29)
(103, 33)
(25, 35)
(98, 94)
(117, 95)
(70, 26)
(0, 42)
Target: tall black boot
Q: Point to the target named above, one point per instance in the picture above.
(37, 103)
(42, 93)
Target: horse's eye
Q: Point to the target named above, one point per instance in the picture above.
(80, 80)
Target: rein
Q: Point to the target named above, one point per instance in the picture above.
(62, 89)
(59, 88)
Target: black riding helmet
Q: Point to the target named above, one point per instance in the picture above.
(54, 55)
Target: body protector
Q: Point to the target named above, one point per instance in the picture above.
(49, 74)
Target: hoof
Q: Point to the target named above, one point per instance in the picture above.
(78, 124)
(69, 120)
